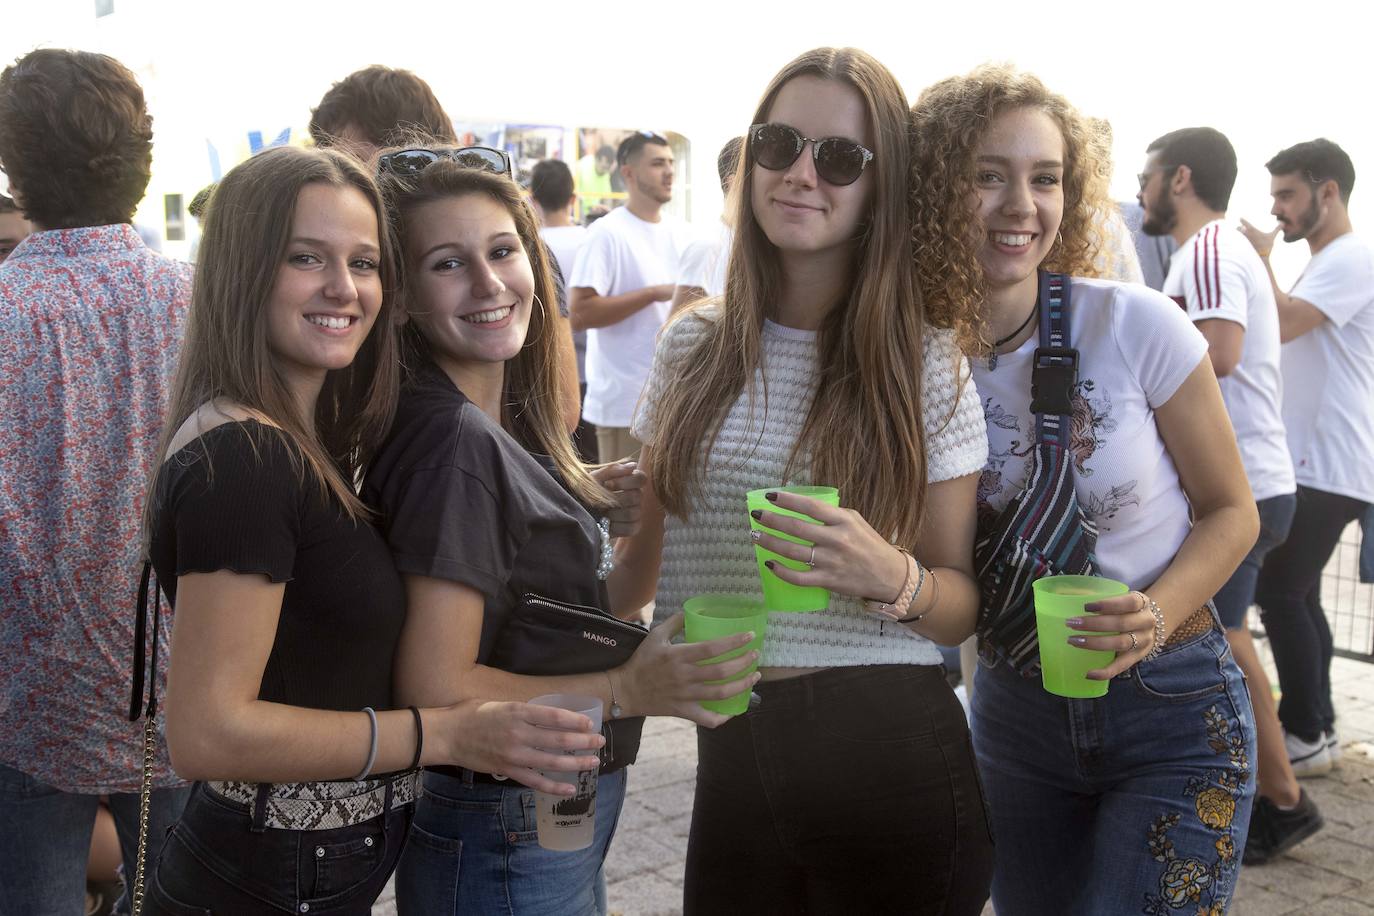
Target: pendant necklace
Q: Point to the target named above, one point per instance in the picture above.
(992, 359)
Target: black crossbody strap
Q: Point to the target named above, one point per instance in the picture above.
(142, 662)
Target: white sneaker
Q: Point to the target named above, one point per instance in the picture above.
(1308, 758)
(1333, 747)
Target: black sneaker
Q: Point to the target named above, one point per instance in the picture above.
(1274, 831)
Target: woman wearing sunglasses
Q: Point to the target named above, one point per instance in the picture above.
(288, 607)
(1137, 801)
(851, 787)
(487, 508)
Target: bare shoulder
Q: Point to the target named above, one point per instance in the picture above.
(208, 416)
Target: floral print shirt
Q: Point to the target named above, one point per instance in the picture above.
(90, 325)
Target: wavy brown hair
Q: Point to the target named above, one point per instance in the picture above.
(863, 431)
(951, 118)
(533, 389)
(225, 353)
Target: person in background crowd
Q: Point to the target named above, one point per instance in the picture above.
(1327, 326)
(704, 260)
(90, 326)
(594, 182)
(1153, 251)
(1138, 800)
(197, 210)
(622, 286)
(376, 107)
(288, 609)
(1222, 285)
(551, 190)
(818, 366)
(13, 227)
(484, 503)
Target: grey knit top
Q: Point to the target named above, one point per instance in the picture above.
(711, 552)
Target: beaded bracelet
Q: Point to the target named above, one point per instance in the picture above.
(1153, 608)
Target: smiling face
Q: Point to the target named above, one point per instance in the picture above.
(796, 209)
(328, 288)
(1019, 179)
(472, 286)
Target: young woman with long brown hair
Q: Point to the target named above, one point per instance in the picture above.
(487, 508)
(852, 785)
(288, 607)
(1136, 801)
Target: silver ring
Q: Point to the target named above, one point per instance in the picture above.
(1134, 644)
(812, 562)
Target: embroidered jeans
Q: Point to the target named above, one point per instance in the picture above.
(1135, 802)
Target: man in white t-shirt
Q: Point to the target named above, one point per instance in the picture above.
(621, 288)
(1222, 285)
(1327, 326)
(702, 272)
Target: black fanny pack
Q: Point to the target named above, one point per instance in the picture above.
(545, 637)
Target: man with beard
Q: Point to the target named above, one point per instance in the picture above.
(1327, 326)
(1221, 283)
(621, 289)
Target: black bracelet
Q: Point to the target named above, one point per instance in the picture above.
(419, 738)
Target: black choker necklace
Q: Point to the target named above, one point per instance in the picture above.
(992, 359)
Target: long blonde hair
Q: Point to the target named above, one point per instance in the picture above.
(225, 353)
(863, 431)
(532, 394)
(951, 118)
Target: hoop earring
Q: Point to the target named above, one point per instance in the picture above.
(539, 302)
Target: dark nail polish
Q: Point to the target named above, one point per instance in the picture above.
(1092, 607)
(771, 497)
(769, 564)
(756, 514)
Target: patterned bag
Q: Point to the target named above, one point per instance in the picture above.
(1042, 531)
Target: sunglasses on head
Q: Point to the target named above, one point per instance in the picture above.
(838, 161)
(414, 161)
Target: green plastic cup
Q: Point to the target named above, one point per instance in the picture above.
(708, 617)
(1063, 668)
(777, 594)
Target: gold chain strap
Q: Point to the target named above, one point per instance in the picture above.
(144, 802)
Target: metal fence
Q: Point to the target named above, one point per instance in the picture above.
(1348, 602)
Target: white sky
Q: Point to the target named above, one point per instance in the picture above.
(1266, 74)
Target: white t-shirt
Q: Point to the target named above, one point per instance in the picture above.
(564, 242)
(1216, 274)
(623, 253)
(1136, 347)
(710, 551)
(704, 261)
(1328, 373)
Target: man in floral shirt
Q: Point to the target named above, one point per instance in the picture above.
(90, 322)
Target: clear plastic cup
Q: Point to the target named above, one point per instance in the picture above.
(569, 823)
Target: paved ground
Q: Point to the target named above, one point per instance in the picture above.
(1332, 873)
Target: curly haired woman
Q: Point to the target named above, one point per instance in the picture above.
(1136, 801)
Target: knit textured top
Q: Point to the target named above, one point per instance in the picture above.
(711, 553)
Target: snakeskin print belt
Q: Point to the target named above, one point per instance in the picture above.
(319, 805)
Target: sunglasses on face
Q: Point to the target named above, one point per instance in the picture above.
(838, 161)
(414, 161)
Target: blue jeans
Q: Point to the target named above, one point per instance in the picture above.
(214, 860)
(474, 848)
(46, 840)
(1136, 802)
(1236, 596)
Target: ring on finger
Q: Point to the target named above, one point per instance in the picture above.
(812, 562)
(1134, 643)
